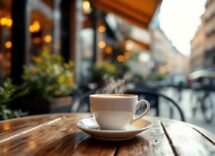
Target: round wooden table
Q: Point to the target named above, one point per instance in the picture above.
(57, 134)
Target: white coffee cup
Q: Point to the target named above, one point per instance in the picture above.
(116, 111)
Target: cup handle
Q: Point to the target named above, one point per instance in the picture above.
(147, 107)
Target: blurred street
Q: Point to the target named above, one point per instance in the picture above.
(186, 105)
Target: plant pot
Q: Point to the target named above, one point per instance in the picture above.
(35, 105)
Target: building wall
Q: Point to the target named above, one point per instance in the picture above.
(198, 45)
(203, 43)
(210, 33)
(167, 58)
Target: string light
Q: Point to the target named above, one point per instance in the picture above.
(108, 50)
(102, 44)
(102, 28)
(128, 46)
(5, 21)
(120, 58)
(86, 6)
(9, 22)
(34, 27)
(47, 38)
(8, 44)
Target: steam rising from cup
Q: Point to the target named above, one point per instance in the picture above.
(112, 86)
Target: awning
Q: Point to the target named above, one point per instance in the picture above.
(141, 44)
(138, 12)
(202, 74)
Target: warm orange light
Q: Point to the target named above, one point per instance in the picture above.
(31, 28)
(35, 26)
(3, 21)
(127, 55)
(8, 44)
(86, 6)
(120, 58)
(6, 126)
(32, 144)
(102, 44)
(36, 40)
(9, 22)
(108, 50)
(47, 38)
(128, 46)
(102, 28)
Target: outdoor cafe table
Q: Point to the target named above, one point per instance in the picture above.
(57, 134)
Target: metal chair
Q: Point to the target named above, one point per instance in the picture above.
(155, 100)
(81, 101)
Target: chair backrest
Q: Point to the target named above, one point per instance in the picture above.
(81, 102)
(155, 100)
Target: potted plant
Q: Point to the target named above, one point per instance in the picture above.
(49, 81)
(8, 92)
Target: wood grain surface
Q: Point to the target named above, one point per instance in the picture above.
(57, 134)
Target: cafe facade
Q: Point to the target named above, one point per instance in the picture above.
(80, 31)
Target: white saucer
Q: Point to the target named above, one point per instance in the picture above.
(91, 127)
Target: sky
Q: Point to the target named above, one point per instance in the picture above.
(180, 19)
